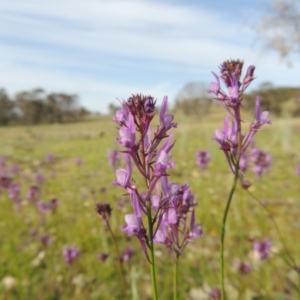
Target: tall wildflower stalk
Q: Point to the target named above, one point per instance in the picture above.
(231, 139)
(163, 212)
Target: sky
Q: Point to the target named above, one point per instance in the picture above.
(107, 50)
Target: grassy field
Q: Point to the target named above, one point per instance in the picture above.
(31, 270)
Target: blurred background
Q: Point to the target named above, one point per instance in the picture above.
(66, 66)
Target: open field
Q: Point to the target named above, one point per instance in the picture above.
(38, 271)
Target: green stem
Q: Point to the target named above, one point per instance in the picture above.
(120, 264)
(230, 196)
(153, 272)
(175, 279)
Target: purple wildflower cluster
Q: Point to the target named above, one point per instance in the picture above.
(261, 160)
(215, 293)
(103, 256)
(243, 268)
(34, 196)
(169, 207)
(231, 140)
(263, 248)
(49, 157)
(70, 253)
(11, 183)
(203, 157)
(45, 207)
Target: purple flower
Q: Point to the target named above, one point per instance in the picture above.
(135, 227)
(203, 158)
(230, 73)
(249, 76)
(121, 116)
(177, 225)
(243, 268)
(103, 256)
(243, 162)
(261, 118)
(163, 158)
(195, 229)
(166, 121)
(15, 169)
(124, 176)
(78, 162)
(45, 240)
(127, 136)
(215, 88)
(171, 204)
(70, 253)
(231, 140)
(262, 161)
(53, 203)
(127, 254)
(227, 139)
(14, 191)
(49, 157)
(263, 248)
(215, 293)
(34, 193)
(149, 105)
(5, 181)
(39, 178)
(44, 207)
(114, 158)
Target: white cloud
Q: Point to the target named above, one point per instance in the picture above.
(108, 49)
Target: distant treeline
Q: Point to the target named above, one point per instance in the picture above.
(280, 101)
(37, 107)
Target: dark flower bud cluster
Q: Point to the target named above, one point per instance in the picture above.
(104, 210)
(230, 74)
(142, 108)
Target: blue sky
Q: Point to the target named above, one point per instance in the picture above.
(106, 50)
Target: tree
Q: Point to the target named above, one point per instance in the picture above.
(36, 107)
(30, 105)
(280, 27)
(6, 108)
